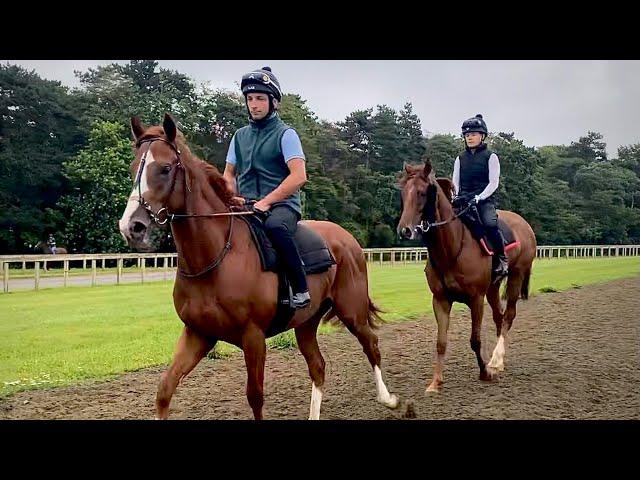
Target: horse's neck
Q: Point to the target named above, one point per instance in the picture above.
(448, 236)
(200, 240)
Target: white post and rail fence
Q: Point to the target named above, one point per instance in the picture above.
(31, 272)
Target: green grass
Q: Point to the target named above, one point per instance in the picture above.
(60, 336)
(404, 294)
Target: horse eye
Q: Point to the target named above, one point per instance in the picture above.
(166, 169)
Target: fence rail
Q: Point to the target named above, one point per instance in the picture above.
(164, 264)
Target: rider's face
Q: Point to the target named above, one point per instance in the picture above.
(473, 139)
(258, 104)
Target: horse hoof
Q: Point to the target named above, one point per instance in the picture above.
(496, 366)
(433, 389)
(392, 402)
(489, 375)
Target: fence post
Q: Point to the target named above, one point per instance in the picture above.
(143, 264)
(5, 276)
(119, 271)
(93, 272)
(37, 275)
(65, 272)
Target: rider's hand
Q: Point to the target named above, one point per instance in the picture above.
(476, 199)
(237, 201)
(262, 206)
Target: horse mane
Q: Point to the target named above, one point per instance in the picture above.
(211, 172)
(429, 212)
(217, 181)
(151, 132)
(409, 172)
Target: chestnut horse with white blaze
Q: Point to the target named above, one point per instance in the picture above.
(221, 291)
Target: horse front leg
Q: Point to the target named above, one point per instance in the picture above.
(191, 348)
(477, 311)
(255, 351)
(442, 310)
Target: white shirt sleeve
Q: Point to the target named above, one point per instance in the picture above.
(456, 175)
(494, 177)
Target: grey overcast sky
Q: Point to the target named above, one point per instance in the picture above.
(542, 102)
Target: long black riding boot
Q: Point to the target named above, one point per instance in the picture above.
(501, 268)
(281, 225)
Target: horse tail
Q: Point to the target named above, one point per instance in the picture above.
(373, 315)
(524, 289)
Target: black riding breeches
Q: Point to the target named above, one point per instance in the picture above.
(281, 225)
(489, 219)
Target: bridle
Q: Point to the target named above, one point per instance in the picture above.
(170, 217)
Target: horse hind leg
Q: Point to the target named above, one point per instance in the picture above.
(493, 297)
(359, 317)
(512, 293)
(191, 348)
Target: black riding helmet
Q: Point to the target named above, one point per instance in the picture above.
(475, 124)
(262, 80)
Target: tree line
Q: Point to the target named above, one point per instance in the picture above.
(65, 155)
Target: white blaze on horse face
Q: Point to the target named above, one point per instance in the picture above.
(316, 401)
(133, 204)
(384, 397)
(411, 190)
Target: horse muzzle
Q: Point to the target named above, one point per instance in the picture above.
(136, 233)
(406, 233)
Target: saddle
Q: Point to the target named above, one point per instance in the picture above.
(316, 258)
(471, 218)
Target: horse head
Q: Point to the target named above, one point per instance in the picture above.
(165, 174)
(420, 193)
(154, 169)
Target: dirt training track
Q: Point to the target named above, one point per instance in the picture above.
(570, 355)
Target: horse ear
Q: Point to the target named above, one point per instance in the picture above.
(169, 126)
(137, 129)
(447, 186)
(407, 168)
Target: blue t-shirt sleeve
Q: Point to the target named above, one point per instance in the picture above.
(291, 146)
(231, 153)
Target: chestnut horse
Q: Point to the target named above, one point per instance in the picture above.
(221, 291)
(457, 269)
